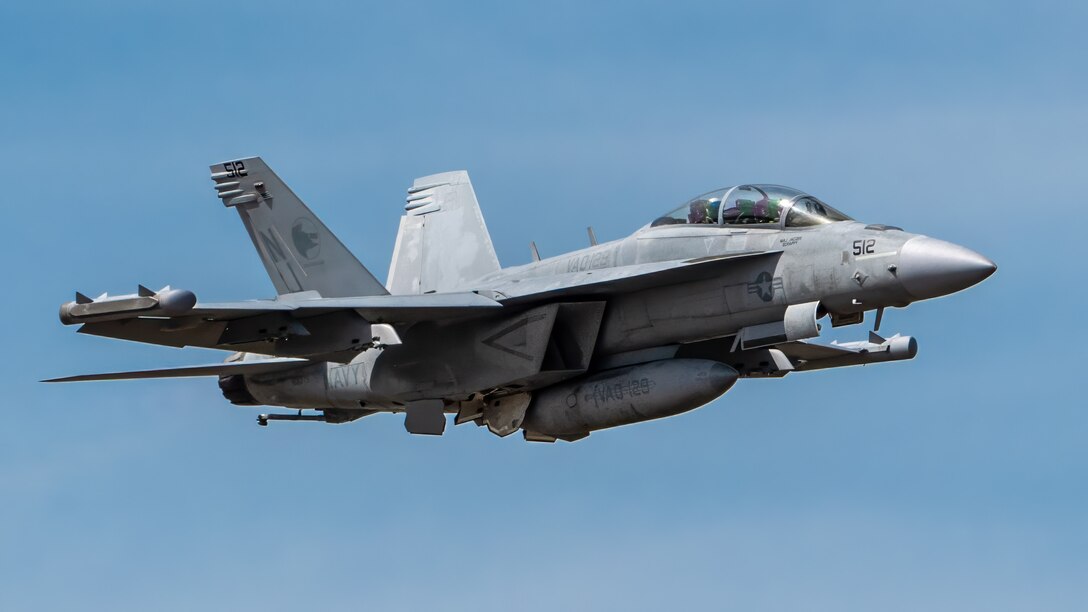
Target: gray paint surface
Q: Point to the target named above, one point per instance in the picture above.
(665, 320)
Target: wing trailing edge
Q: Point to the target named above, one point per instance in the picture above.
(263, 366)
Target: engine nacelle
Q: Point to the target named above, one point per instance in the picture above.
(299, 388)
(627, 395)
(235, 390)
(318, 386)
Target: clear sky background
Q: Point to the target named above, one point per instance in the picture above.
(954, 481)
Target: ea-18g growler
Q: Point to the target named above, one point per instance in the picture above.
(729, 285)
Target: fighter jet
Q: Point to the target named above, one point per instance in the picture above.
(732, 284)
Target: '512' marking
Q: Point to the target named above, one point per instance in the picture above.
(235, 168)
(864, 246)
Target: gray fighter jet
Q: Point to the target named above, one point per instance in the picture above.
(731, 284)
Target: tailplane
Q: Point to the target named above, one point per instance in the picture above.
(298, 251)
(443, 242)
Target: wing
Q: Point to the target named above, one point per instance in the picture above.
(375, 309)
(334, 329)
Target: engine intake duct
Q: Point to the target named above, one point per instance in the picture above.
(518, 352)
(798, 323)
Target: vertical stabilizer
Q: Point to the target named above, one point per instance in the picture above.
(297, 250)
(443, 242)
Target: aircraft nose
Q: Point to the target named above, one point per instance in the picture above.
(930, 268)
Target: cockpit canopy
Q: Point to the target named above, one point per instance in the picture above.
(762, 205)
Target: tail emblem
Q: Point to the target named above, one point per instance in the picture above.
(304, 235)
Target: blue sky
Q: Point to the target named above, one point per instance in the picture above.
(957, 480)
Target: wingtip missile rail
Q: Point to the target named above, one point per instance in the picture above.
(167, 302)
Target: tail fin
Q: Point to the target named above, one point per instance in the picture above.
(298, 251)
(443, 242)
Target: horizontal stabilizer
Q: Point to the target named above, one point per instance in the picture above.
(216, 369)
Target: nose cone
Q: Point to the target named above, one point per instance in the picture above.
(930, 268)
